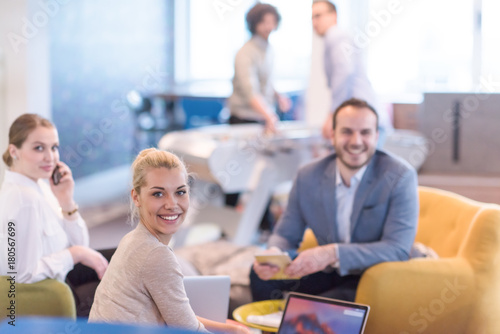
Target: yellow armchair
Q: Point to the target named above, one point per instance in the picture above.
(45, 298)
(458, 293)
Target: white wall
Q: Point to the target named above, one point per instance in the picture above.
(318, 103)
(38, 59)
(24, 69)
(317, 95)
(13, 79)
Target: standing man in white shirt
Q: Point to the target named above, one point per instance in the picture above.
(345, 70)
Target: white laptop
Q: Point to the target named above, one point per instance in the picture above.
(209, 296)
(312, 314)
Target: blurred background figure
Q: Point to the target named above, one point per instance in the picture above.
(344, 67)
(254, 98)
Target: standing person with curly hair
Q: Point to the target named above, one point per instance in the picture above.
(254, 97)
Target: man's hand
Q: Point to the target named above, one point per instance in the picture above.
(327, 129)
(284, 103)
(312, 260)
(270, 125)
(259, 106)
(266, 271)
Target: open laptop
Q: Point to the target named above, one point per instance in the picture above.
(209, 296)
(312, 314)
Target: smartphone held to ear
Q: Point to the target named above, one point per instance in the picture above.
(56, 176)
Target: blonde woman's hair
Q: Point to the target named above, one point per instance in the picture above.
(148, 159)
(21, 129)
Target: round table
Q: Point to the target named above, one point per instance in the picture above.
(264, 307)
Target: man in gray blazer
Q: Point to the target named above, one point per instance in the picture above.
(361, 204)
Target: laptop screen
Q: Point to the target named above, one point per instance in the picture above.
(313, 314)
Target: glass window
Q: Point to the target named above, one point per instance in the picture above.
(411, 46)
(490, 46)
(417, 46)
(292, 41)
(217, 30)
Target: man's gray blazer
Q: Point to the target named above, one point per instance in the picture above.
(384, 216)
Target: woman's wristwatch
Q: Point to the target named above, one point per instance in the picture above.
(72, 212)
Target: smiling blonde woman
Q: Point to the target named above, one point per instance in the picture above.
(144, 283)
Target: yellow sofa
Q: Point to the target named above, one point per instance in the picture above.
(458, 293)
(45, 298)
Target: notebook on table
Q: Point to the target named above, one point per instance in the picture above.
(209, 296)
(313, 314)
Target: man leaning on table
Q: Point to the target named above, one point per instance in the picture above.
(361, 204)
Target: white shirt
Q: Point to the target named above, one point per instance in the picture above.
(346, 73)
(344, 197)
(42, 235)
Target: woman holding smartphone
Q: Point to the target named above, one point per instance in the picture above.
(51, 237)
(144, 283)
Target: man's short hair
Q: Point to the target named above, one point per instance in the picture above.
(356, 103)
(331, 5)
(257, 12)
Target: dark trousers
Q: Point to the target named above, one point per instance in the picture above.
(83, 282)
(237, 120)
(327, 284)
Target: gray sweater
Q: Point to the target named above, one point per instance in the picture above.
(144, 285)
(252, 76)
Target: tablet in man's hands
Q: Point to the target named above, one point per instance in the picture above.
(280, 260)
